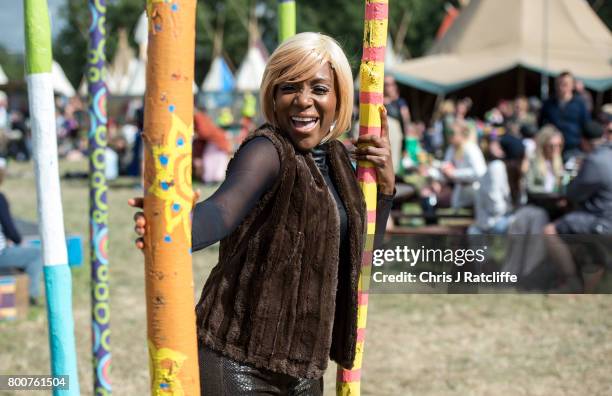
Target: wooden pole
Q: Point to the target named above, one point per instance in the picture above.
(98, 206)
(168, 130)
(58, 280)
(371, 74)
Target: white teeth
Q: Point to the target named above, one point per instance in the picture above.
(304, 119)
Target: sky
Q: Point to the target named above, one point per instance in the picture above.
(11, 23)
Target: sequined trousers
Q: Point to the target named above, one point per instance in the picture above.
(222, 376)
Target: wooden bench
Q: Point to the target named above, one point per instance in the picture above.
(13, 294)
(445, 229)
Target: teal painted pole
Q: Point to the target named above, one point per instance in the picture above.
(58, 280)
(286, 19)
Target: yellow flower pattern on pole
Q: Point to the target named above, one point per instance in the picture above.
(173, 172)
(165, 367)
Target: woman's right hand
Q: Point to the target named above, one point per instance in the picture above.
(139, 221)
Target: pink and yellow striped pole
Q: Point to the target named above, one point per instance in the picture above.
(372, 73)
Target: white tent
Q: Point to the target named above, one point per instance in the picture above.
(3, 78)
(136, 81)
(83, 88)
(61, 85)
(121, 67)
(219, 78)
(251, 70)
(141, 34)
(494, 36)
(128, 74)
(391, 58)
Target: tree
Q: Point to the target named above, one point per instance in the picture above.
(603, 8)
(12, 64)
(341, 19)
(70, 46)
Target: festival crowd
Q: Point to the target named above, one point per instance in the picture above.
(547, 162)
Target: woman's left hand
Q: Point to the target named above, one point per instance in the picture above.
(378, 151)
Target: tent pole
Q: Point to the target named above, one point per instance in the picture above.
(599, 100)
(521, 82)
(544, 75)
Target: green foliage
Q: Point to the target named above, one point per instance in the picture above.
(603, 8)
(341, 19)
(12, 64)
(70, 45)
(122, 14)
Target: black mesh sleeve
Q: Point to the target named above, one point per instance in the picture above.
(251, 172)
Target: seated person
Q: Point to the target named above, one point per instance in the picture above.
(463, 166)
(591, 194)
(211, 148)
(494, 201)
(28, 259)
(546, 167)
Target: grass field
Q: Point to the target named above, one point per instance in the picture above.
(416, 344)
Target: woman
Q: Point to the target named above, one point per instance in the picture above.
(15, 255)
(463, 166)
(546, 168)
(500, 186)
(290, 216)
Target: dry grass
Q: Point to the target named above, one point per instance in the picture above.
(416, 344)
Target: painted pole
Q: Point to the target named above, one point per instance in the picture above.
(372, 73)
(58, 280)
(168, 130)
(286, 19)
(98, 207)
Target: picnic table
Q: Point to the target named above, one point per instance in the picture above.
(554, 203)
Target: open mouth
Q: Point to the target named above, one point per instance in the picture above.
(304, 124)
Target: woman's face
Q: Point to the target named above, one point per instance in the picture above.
(553, 147)
(457, 138)
(305, 110)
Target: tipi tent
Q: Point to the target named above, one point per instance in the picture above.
(391, 58)
(251, 70)
(136, 81)
(493, 37)
(127, 75)
(218, 85)
(61, 85)
(3, 78)
(219, 78)
(141, 35)
(122, 66)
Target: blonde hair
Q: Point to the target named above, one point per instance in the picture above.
(546, 134)
(469, 134)
(298, 59)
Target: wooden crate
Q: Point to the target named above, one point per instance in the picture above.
(13, 296)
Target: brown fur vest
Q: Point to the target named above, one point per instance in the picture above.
(279, 298)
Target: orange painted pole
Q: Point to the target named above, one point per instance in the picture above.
(168, 130)
(371, 74)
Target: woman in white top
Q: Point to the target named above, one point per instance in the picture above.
(464, 165)
(546, 168)
(494, 200)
